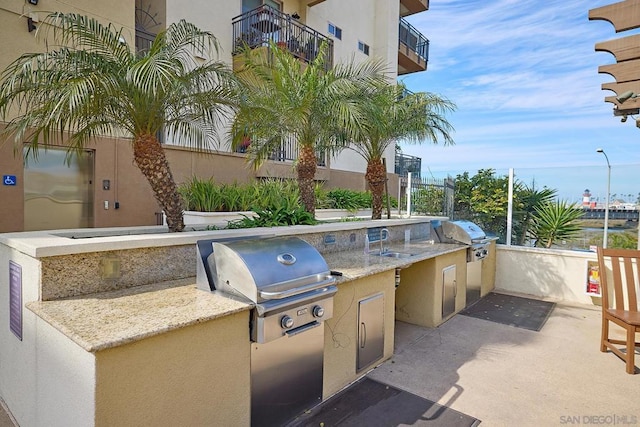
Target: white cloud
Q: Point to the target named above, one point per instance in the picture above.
(524, 74)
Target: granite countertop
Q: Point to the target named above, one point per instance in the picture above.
(109, 319)
(356, 264)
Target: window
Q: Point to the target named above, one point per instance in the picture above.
(335, 31)
(363, 47)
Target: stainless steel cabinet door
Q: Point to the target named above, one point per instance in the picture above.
(370, 331)
(286, 376)
(449, 290)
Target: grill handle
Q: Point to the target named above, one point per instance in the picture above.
(302, 328)
(298, 290)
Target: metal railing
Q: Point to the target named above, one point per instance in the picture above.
(429, 196)
(260, 26)
(406, 163)
(287, 151)
(413, 39)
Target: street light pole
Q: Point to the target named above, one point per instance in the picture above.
(606, 205)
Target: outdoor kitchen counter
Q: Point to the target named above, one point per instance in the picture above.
(356, 264)
(109, 319)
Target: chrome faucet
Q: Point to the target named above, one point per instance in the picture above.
(384, 232)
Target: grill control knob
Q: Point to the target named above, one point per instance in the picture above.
(286, 322)
(317, 311)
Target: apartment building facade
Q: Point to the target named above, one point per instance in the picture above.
(103, 188)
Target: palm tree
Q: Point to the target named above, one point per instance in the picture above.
(310, 104)
(392, 113)
(529, 198)
(555, 221)
(94, 84)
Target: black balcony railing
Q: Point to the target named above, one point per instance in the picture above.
(414, 40)
(263, 25)
(406, 163)
(287, 151)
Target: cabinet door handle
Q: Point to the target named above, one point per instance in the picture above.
(363, 334)
(455, 288)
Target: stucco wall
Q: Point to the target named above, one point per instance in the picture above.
(50, 376)
(195, 376)
(419, 296)
(341, 331)
(18, 385)
(13, 22)
(66, 382)
(546, 273)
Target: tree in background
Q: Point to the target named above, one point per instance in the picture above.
(95, 84)
(555, 221)
(527, 199)
(312, 105)
(391, 113)
(429, 200)
(483, 199)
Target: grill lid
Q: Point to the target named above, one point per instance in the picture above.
(266, 269)
(463, 231)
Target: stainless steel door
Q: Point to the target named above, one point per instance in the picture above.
(58, 195)
(474, 281)
(286, 376)
(370, 331)
(449, 290)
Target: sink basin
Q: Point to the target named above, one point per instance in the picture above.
(395, 254)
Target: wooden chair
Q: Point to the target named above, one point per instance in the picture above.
(620, 300)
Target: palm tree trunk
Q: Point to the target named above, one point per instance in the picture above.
(376, 176)
(306, 169)
(150, 158)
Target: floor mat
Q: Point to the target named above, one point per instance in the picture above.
(510, 310)
(370, 403)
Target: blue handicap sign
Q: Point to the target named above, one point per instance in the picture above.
(9, 180)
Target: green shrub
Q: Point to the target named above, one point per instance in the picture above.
(204, 195)
(201, 195)
(554, 222)
(275, 217)
(429, 200)
(342, 198)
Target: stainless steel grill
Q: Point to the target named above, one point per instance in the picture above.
(468, 233)
(291, 286)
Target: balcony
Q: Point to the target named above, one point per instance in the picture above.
(409, 7)
(258, 27)
(413, 49)
(311, 3)
(287, 151)
(406, 163)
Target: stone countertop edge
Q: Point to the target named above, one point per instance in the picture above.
(48, 243)
(109, 319)
(356, 264)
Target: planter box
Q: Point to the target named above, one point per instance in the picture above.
(208, 218)
(221, 218)
(342, 213)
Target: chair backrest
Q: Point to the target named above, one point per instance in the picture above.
(625, 272)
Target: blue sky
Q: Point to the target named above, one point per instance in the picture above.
(524, 76)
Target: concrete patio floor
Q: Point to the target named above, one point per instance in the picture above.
(506, 376)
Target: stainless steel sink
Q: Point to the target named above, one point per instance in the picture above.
(395, 254)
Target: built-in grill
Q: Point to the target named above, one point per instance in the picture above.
(291, 286)
(468, 233)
